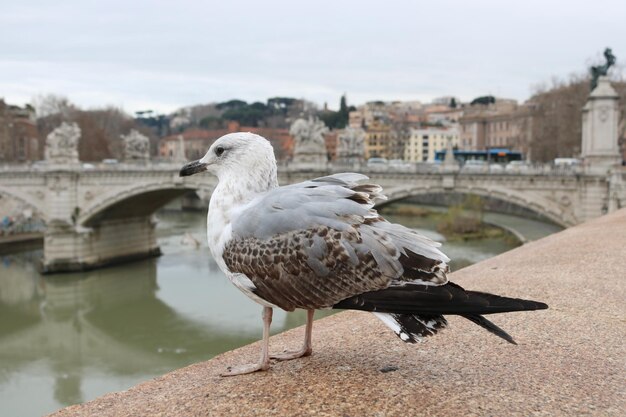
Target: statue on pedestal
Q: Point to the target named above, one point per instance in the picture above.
(136, 146)
(450, 164)
(351, 146)
(601, 70)
(62, 144)
(310, 147)
(600, 122)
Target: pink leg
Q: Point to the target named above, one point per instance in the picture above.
(264, 360)
(307, 348)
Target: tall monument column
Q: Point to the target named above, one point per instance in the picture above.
(600, 148)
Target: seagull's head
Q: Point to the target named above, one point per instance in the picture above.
(235, 155)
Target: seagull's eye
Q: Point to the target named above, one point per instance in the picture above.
(219, 150)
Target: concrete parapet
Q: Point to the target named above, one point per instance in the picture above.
(569, 361)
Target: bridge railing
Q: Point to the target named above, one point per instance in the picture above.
(435, 169)
(91, 166)
(405, 168)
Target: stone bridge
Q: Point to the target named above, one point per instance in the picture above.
(101, 215)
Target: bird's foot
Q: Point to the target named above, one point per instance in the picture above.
(289, 355)
(245, 369)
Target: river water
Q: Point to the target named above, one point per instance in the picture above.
(69, 338)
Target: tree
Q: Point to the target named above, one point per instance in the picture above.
(483, 100)
(231, 104)
(211, 122)
(52, 104)
(336, 119)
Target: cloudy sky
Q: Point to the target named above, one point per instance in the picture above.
(162, 55)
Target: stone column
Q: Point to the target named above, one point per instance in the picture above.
(600, 149)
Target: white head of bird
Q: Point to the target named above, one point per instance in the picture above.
(243, 158)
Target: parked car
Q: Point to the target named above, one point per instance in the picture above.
(377, 164)
(475, 165)
(496, 168)
(399, 165)
(517, 167)
(566, 162)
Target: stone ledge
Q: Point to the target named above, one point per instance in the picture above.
(569, 361)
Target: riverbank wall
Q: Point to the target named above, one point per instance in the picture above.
(20, 242)
(569, 359)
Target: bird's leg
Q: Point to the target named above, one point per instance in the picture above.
(264, 360)
(307, 347)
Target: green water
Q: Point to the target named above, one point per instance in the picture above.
(69, 338)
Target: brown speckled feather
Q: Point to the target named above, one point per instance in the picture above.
(286, 271)
(320, 254)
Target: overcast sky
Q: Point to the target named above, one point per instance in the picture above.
(163, 55)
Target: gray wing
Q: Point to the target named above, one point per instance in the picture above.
(313, 244)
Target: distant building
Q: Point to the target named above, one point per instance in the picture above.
(197, 141)
(444, 115)
(368, 113)
(406, 112)
(503, 124)
(356, 119)
(331, 140)
(19, 136)
(424, 143)
(379, 138)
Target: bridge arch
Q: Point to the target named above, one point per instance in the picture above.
(534, 203)
(136, 201)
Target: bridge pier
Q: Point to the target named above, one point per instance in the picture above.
(75, 248)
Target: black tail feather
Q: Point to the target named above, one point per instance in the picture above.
(486, 324)
(430, 300)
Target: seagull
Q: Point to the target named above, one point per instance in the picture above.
(320, 244)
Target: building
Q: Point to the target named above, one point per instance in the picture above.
(197, 141)
(503, 124)
(19, 136)
(407, 112)
(379, 141)
(331, 139)
(446, 116)
(356, 119)
(424, 143)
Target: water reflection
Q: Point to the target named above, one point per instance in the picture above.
(105, 330)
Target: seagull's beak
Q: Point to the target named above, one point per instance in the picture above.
(192, 168)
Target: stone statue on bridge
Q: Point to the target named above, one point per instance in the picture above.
(62, 144)
(602, 70)
(310, 147)
(351, 146)
(136, 146)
